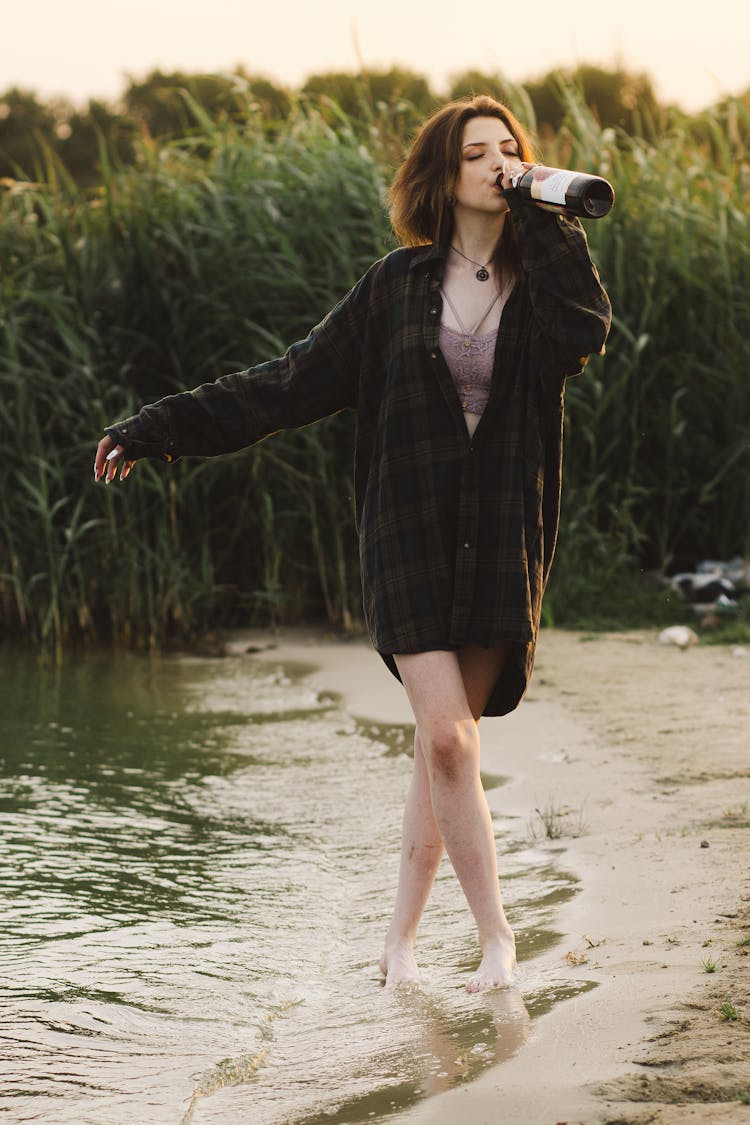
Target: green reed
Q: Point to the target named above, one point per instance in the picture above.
(211, 255)
(658, 431)
(214, 253)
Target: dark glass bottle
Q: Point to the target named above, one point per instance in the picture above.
(567, 193)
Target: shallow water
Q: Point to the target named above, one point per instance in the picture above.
(197, 862)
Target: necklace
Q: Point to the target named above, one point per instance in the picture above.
(481, 274)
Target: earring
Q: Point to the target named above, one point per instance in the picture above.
(451, 199)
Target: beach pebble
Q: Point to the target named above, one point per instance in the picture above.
(680, 635)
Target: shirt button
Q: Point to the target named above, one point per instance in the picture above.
(466, 546)
(433, 355)
(434, 312)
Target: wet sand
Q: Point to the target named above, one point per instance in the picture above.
(636, 757)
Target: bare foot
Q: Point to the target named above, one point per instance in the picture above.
(398, 964)
(497, 965)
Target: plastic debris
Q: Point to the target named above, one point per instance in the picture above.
(680, 635)
(712, 587)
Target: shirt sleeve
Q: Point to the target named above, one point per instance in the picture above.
(316, 377)
(569, 303)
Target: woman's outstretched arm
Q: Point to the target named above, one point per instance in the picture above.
(316, 377)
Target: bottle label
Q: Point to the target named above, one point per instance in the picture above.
(550, 185)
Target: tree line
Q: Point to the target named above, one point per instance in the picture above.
(160, 107)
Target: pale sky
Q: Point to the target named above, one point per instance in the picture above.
(694, 53)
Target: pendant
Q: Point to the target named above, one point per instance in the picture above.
(482, 274)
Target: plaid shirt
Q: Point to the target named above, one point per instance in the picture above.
(456, 533)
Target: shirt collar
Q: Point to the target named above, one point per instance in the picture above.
(432, 258)
(435, 252)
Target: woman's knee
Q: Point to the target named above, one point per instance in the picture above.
(451, 749)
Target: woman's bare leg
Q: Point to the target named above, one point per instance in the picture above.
(447, 692)
(421, 852)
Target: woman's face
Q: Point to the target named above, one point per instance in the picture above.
(486, 145)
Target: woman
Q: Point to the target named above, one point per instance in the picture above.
(453, 350)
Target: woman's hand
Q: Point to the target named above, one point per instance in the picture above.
(512, 166)
(108, 457)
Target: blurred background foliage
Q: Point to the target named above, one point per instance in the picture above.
(155, 108)
(205, 222)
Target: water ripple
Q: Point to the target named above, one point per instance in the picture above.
(198, 861)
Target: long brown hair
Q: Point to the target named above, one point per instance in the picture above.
(421, 195)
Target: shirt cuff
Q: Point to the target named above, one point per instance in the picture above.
(140, 437)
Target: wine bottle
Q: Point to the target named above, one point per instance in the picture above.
(567, 193)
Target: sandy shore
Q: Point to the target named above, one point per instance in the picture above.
(639, 755)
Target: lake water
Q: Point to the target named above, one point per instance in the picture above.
(197, 863)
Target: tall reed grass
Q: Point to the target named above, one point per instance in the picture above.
(658, 431)
(211, 255)
(216, 252)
